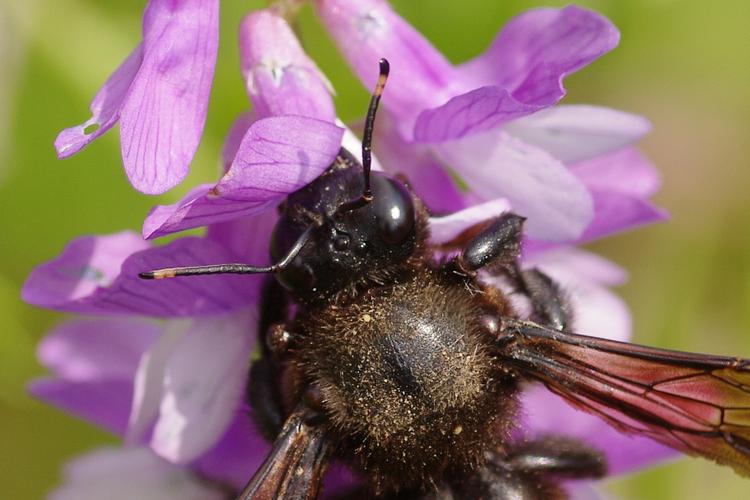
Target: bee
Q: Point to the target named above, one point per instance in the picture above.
(408, 367)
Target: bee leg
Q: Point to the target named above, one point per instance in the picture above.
(558, 456)
(496, 249)
(264, 397)
(532, 470)
(263, 391)
(274, 305)
(297, 462)
(497, 246)
(548, 301)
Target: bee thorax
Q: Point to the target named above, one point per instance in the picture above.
(408, 380)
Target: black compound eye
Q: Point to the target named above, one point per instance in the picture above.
(297, 277)
(341, 242)
(394, 210)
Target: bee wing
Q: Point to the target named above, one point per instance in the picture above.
(696, 403)
(296, 464)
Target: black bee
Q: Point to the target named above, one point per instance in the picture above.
(408, 368)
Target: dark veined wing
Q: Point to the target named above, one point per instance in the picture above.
(296, 464)
(696, 403)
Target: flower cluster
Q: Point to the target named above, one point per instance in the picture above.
(164, 364)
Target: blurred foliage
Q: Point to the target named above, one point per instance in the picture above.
(683, 64)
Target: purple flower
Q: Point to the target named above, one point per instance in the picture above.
(173, 387)
(152, 381)
(159, 94)
(121, 474)
(292, 107)
(490, 121)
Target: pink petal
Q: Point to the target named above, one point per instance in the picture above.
(576, 133)
(429, 180)
(277, 156)
(546, 413)
(102, 402)
(234, 138)
(92, 276)
(204, 380)
(475, 111)
(164, 112)
(97, 349)
(127, 473)
(616, 212)
(105, 108)
(536, 49)
(495, 165)
(624, 171)
(445, 228)
(248, 237)
(84, 266)
(280, 78)
(367, 30)
(521, 72)
(148, 381)
(576, 265)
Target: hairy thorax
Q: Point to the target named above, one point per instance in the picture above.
(408, 380)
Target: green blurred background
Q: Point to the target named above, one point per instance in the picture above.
(683, 64)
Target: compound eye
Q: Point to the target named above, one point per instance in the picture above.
(297, 277)
(341, 242)
(394, 210)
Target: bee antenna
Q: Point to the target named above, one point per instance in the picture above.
(366, 197)
(287, 259)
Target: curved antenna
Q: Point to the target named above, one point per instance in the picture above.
(171, 272)
(367, 140)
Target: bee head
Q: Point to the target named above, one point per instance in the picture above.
(346, 226)
(349, 240)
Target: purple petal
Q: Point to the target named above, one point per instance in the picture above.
(425, 175)
(104, 402)
(248, 237)
(475, 111)
(97, 349)
(84, 266)
(277, 156)
(578, 132)
(237, 455)
(367, 30)
(280, 78)
(148, 382)
(281, 154)
(126, 473)
(164, 112)
(234, 138)
(620, 184)
(546, 413)
(88, 278)
(573, 264)
(445, 228)
(625, 171)
(198, 405)
(105, 108)
(615, 212)
(539, 187)
(521, 72)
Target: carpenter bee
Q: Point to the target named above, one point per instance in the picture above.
(408, 367)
